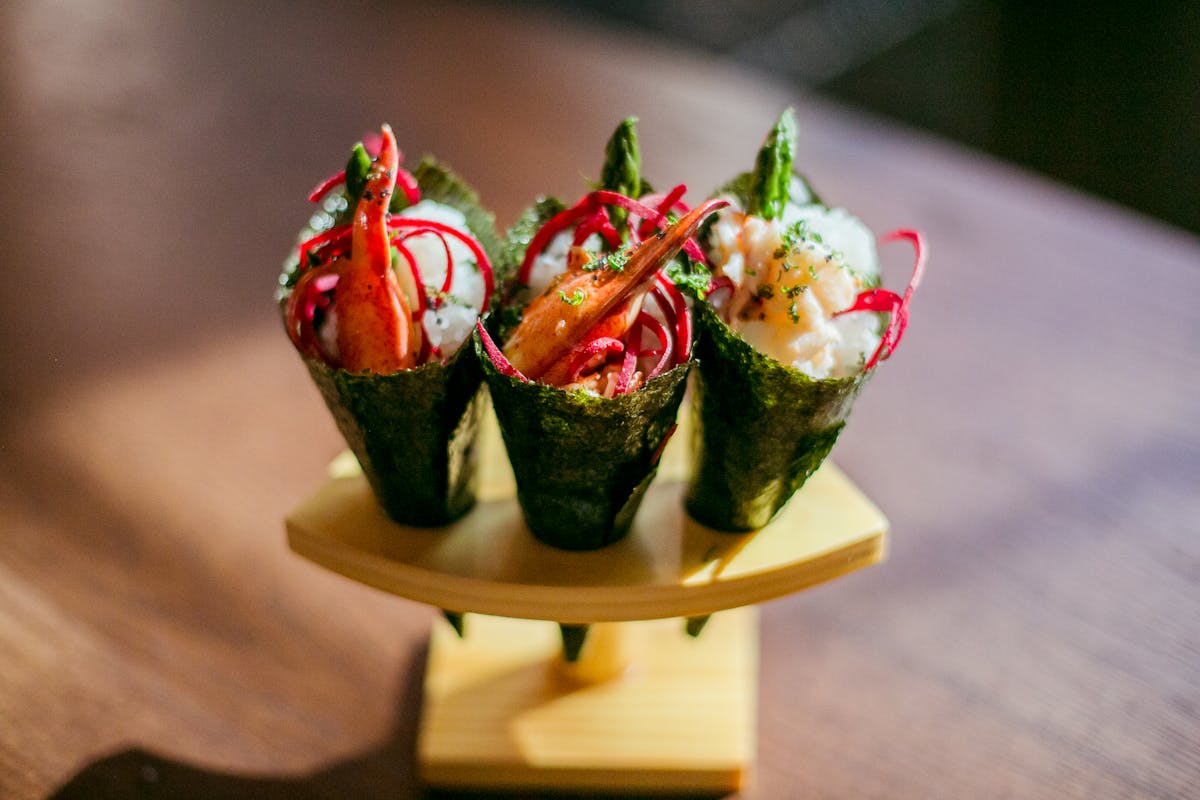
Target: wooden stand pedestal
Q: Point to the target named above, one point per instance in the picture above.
(503, 711)
(646, 708)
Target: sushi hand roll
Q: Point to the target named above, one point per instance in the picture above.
(595, 344)
(793, 325)
(379, 298)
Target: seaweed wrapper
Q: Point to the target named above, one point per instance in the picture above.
(582, 463)
(413, 432)
(761, 428)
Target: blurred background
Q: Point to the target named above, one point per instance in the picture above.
(1033, 633)
(1104, 96)
(129, 100)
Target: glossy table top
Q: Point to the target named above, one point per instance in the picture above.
(1035, 442)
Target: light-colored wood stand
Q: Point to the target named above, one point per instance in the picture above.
(502, 710)
(645, 708)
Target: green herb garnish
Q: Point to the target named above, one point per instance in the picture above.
(689, 276)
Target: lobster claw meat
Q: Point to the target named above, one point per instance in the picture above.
(560, 318)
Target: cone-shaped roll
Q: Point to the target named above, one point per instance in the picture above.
(379, 298)
(792, 326)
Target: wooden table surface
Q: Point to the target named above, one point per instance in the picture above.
(1035, 442)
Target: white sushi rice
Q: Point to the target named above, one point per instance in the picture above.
(786, 293)
(450, 325)
(552, 261)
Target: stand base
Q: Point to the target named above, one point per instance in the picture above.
(502, 711)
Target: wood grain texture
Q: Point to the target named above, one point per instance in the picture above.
(500, 713)
(1035, 442)
(667, 566)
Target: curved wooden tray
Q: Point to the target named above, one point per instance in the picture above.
(668, 565)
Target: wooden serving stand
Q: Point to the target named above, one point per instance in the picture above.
(645, 707)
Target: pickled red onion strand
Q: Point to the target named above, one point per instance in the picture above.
(899, 321)
(299, 313)
(586, 351)
(645, 212)
(372, 142)
(667, 308)
(325, 282)
(324, 186)
(885, 301)
(625, 378)
(581, 210)
(408, 185)
(598, 223)
(720, 282)
(502, 364)
(919, 252)
(422, 299)
(553, 226)
(332, 235)
(647, 321)
(658, 451)
(445, 289)
(682, 316)
(881, 301)
(661, 300)
(481, 260)
(664, 204)
(585, 229)
(610, 234)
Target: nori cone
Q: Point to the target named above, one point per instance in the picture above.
(761, 428)
(582, 463)
(413, 432)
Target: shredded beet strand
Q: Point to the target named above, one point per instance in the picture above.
(648, 322)
(502, 364)
(324, 186)
(585, 353)
(627, 368)
(663, 204)
(481, 259)
(422, 300)
(408, 185)
(885, 301)
(555, 225)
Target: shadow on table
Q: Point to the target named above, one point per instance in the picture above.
(387, 771)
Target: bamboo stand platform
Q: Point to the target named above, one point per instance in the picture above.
(645, 707)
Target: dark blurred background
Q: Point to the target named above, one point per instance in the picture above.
(1104, 96)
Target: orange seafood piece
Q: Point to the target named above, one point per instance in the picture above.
(559, 318)
(375, 331)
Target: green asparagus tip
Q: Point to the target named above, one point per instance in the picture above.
(696, 624)
(773, 169)
(622, 171)
(456, 621)
(573, 637)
